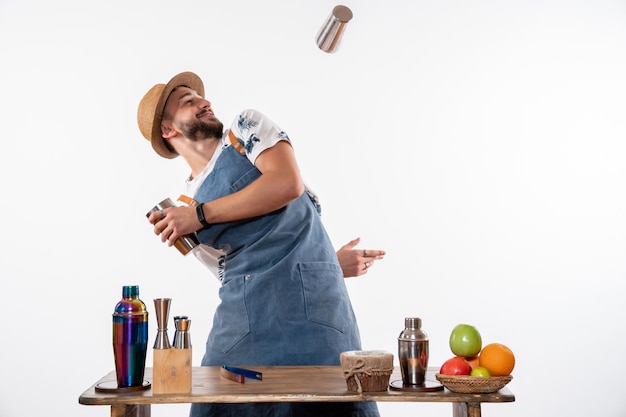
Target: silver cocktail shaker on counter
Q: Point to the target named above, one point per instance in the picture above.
(413, 356)
(413, 352)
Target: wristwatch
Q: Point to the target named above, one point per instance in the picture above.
(200, 214)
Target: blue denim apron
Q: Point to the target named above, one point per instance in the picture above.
(283, 299)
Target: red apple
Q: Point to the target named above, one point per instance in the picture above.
(455, 366)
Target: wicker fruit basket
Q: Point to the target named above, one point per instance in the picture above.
(465, 384)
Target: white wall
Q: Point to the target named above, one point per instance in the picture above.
(481, 143)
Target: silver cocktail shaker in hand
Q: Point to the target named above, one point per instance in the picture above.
(413, 352)
(184, 244)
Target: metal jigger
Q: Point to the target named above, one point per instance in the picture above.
(162, 307)
(182, 339)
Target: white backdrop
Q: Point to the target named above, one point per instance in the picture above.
(481, 143)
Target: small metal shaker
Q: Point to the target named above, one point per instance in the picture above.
(413, 352)
(182, 338)
(184, 244)
(330, 33)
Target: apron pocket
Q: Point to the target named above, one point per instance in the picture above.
(230, 323)
(325, 295)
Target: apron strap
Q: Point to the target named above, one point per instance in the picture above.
(187, 200)
(237, 145)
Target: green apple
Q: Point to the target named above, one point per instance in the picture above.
(465, 340)
(480, 371)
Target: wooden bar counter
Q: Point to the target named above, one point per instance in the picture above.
(279, 384)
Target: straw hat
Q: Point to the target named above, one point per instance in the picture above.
(150, 111)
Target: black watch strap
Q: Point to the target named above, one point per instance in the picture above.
(200, 214)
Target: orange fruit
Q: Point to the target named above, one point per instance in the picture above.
(497, 358)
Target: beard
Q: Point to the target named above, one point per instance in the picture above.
(199, 130)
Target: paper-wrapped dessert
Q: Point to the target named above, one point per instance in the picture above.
(367, 370)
